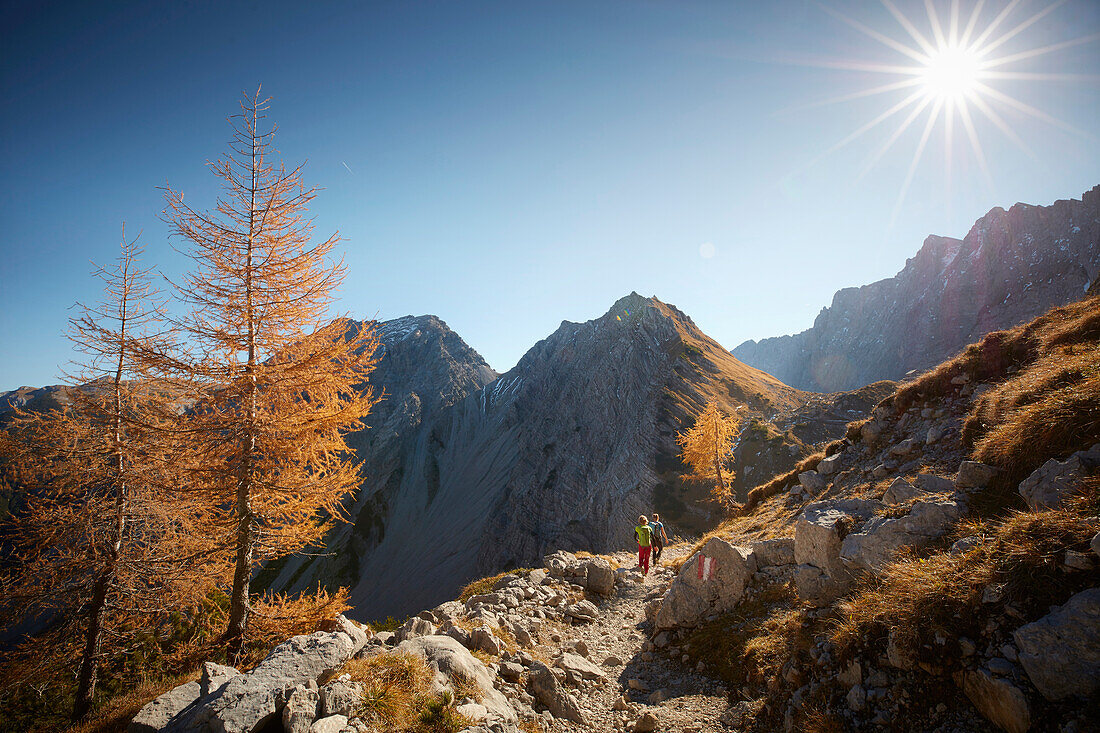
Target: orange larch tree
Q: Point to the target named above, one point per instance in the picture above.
(106, 541)
(274, 382)
(706, 447)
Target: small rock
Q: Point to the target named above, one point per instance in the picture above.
(974, 475)
(1000, 666)
(1078, 560)
(857, 698)
(659, 696)
(331, 724)
(646, 724)
(636, 684)
(966, 647)
(612, 661)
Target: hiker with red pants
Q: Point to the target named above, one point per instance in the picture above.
(644, 534)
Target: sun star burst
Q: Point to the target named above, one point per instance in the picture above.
(949, 75)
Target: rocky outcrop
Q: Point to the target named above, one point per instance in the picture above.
(1061, 651)
(1011, 267)
(1055, 480)
(711, 581)
(877, 541)
(227, 702)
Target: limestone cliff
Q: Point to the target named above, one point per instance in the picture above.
(1011, 267)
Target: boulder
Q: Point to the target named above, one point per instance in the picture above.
(583, 611)
(812, 481)
(1061, 651)
(484, 639)
(974, 475)
(247, 702)
(157, 714)
(331, 724)
(300, 710)
(599, 576)
(880, 538)
(900, 491)
(904, 448)
(779, 551)
(821, 528)
(450, 660)
(413, 628)
(871, 431)
(358, 633)
(646, 723)
(544, 687)
(689, 598)
(1000, 701)
(341, 697)
(933, 484)
(829, 466)
(1052, 482)
(557, 562)
(579, 666)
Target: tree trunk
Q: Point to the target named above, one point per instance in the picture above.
(246, 540)
(718, 461)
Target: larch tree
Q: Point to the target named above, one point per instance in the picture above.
(274, 382)
(105, 541)
(706, 447)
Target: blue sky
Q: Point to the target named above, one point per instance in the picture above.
(509, 165)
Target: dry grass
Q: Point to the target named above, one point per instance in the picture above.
(1000, 351)
(781, 482)
(1049, 410)
(918, 598)
(752, 643)
(485, 585)
(397, 695)
(115, 715)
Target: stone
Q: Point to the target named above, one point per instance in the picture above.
(300, 710)
(647, 723)
(1095, 544)
(621, 703)
(899, 657)
(341, 697)
(247, 702)
(880, 471)
(472, 710)
(1061, 651)
(413, 628)
(449, 661)
(851, 675)
(903, 448)
(965, 544)
(484, 639)
(816, 586)
(545, 688)
(537, 576)
(580, 666)
(690, 599)
(557, 562)
(857, 698)
(659, 696)
(1078, 560)
(511, 671)
(1000, 666)
(1051, 483)
(933, 435)
(933, 484)
(829, 466)
(612, 661)
(163, 710)
(966, 647)
(974, 475)
(599, 576)
(880, 538)
(774, 552)
(583, 611)
(331, 724)
(812, 481)
(358, 633)
(997, 699)
(822, 526)
(871, 431)
(636, 684)
(900, 491)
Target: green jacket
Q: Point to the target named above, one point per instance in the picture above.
(643, 533)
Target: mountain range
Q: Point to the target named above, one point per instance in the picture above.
(1011, 267)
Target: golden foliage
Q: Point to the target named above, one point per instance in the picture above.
(397, 695)
(485, 585)
(274, 386)
(706, 447)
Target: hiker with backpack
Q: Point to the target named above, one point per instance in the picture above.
(644, 534)
(660, 539)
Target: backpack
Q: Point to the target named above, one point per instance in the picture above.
(644, 534)
(656, 528)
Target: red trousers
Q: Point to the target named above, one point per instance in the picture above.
(643, 559)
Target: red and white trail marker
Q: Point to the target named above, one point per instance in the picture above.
(707, 567)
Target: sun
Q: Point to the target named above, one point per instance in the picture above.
(949, 77)
(952, 73)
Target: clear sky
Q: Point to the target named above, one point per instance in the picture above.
(509, 165)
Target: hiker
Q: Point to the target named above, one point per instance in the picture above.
(660, 539)
(644, 535)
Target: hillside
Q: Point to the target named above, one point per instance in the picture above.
(1011, 267)
(563, 450)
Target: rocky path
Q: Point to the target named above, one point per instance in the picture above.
(647, 686)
